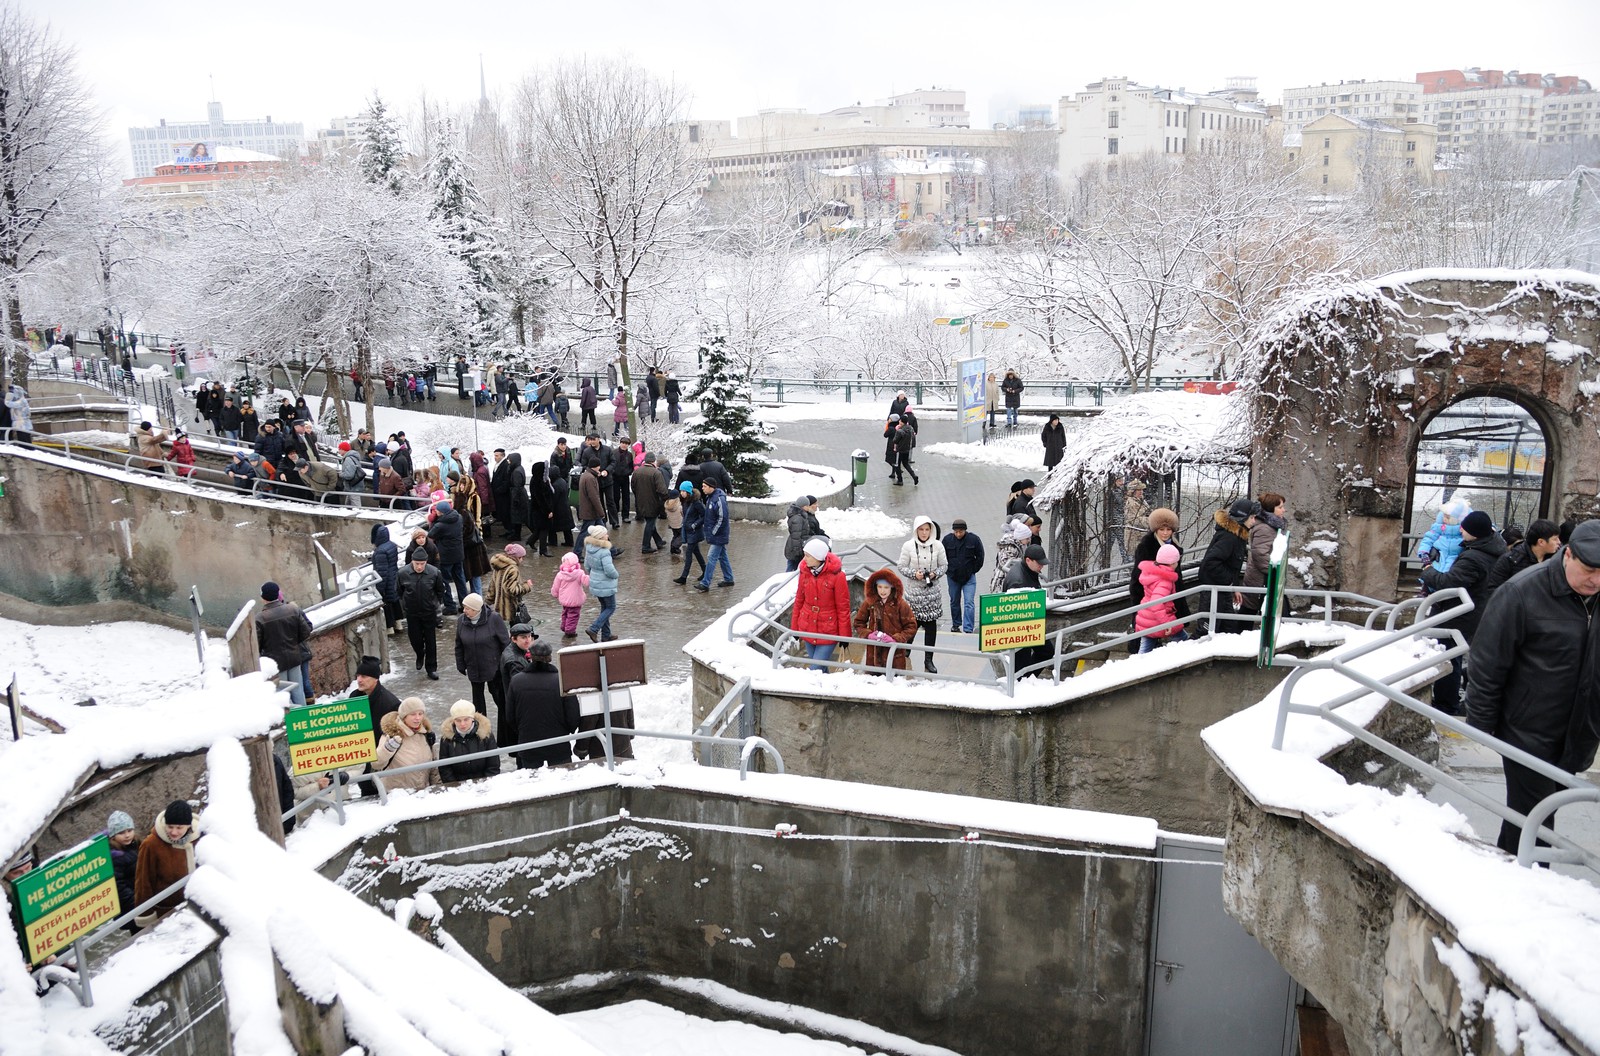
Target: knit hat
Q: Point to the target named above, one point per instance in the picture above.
(1025, 483)
(269, 591)
(816, 547)
(1019, 532)
(894, 417)
(411, 705)
(1167, 555)
(1136, 484)
(808, 500)
(178, 812)
(144, 425)
(686, 486)
(1161, 517)
(1477, 524)
(472, 601)
(958, 525)
(380, 447)
(370, 666)
(344, 445)
(516, 551)
(1456, 509)
(596, 531)
(443, 507)
(384, 463)
(119, 821)
(462, 709)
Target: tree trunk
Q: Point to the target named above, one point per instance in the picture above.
(624, 376)
(17, 353)
(364, 365)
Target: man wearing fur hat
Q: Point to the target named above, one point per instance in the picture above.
(467, 733)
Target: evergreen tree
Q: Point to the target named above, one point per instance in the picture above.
(727, 425)
(469, 229)
(382, 160)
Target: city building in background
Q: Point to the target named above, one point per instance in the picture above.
(1339, 152)
(197, 172)
(1115, 116)
(167, 142)
(1394, 102)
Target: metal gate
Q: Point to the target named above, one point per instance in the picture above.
(1213, 990)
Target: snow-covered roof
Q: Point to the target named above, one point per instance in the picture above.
(1151, 429)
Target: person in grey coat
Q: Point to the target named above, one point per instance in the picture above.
(803, 526)
(481, 640)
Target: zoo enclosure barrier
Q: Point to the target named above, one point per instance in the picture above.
(1057, 390)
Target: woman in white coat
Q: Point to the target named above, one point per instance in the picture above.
(923, 566)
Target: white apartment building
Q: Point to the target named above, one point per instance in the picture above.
(1394, 102)
(341, 133)
(162, 143)
(1116, 116)
(1467, 114)
(1571, 118)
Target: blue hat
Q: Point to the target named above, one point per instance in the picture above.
(686, 486)
(442, 507)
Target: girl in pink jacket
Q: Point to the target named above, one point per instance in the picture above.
(570, 589)
(1159, 579)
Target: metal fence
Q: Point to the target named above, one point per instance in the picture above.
(1039, 391)
(96, 373)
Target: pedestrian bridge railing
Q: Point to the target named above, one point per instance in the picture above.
(1540, 843)
(1093, 639)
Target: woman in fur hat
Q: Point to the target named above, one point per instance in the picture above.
(407, 739)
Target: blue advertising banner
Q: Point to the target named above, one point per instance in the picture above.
(970, 398)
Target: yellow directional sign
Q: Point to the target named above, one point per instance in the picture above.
(942, 321)
(996, 326)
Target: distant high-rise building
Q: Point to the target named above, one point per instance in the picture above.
(1393, 102)
(167, 142)
(341, 134)
(1473, 104)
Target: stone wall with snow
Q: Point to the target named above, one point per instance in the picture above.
(1348, 378)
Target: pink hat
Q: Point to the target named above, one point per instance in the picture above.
(515, 551)
(1167, 555)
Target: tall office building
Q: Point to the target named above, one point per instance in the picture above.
(167, 142)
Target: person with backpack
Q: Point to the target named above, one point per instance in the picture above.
(351, 475)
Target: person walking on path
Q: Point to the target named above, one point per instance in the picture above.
(1224, 559)
(717, 535)
(481, 636)
(803, 527)
(1163, 531)
(283, 633)
(541, 711)
(165, 857)
(963, 553)
(588, 400)
(885, 618)
(1135, 518)
(649, 494)
(674, 394)
(386, 563)
(903, 441)
(507, 586)
(821, 601)
(182, 455)
(1542, 539)
(1054, 438)
(672, 509)
(153, 457)
(619, 411)
(467, 733)
(1481, 548)
(569, 588)
(600, 563)
(1019, 503)
(923, 564)
(1263, 533)
(1535, 675)
(407, 740)
(591, 500)
(694, 528)
(448, 534)
(1159, 579)
(1027, 573)
(421, 594)
(1012, 388)
(21, 414)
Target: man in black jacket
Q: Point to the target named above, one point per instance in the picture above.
(1481, 547)
(448, 534)
(712, 469)
(421, 593)
(1223, 563)
(964, 551)
(540, 710)
(1543, 538)
(381, 700)
(282, 633)
(1535, 675)
(1026, 573)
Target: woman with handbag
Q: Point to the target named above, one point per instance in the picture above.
(507, 586)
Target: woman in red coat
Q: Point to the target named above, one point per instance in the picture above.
(821, 601)
(886, 614)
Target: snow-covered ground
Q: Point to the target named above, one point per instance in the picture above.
(120, 665)
(859, 523)
(644, 1028)
(1023, 452)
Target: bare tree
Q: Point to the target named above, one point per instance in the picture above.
(609, 184)
(93, 278)
(327, 268)
(48, 131)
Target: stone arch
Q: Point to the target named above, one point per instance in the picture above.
(1472, 427)
(1348, 379)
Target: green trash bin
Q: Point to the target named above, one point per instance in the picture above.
(859, 459)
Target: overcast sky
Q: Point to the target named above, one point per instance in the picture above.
(297, 60)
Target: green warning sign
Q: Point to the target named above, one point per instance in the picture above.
(68, 896)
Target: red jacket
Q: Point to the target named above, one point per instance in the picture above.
(822, 600)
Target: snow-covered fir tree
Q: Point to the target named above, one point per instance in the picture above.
(469, 229)
(727, 425)
(382, 160)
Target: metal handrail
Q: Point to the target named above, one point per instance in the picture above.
(79, 981)
(1575, 789)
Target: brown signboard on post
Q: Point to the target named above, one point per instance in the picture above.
(579, 665)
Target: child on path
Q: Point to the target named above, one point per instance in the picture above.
(1159, 579)
(569, 589)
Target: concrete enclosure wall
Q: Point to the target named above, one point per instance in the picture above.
(1034, 946)
(1134, 749)
(71, 536)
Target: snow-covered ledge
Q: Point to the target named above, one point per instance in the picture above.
(789, 480)
(1418, 937)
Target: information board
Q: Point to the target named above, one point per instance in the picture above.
(330, 736)
(66, 897)
(1010, 621)
(971, 395)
